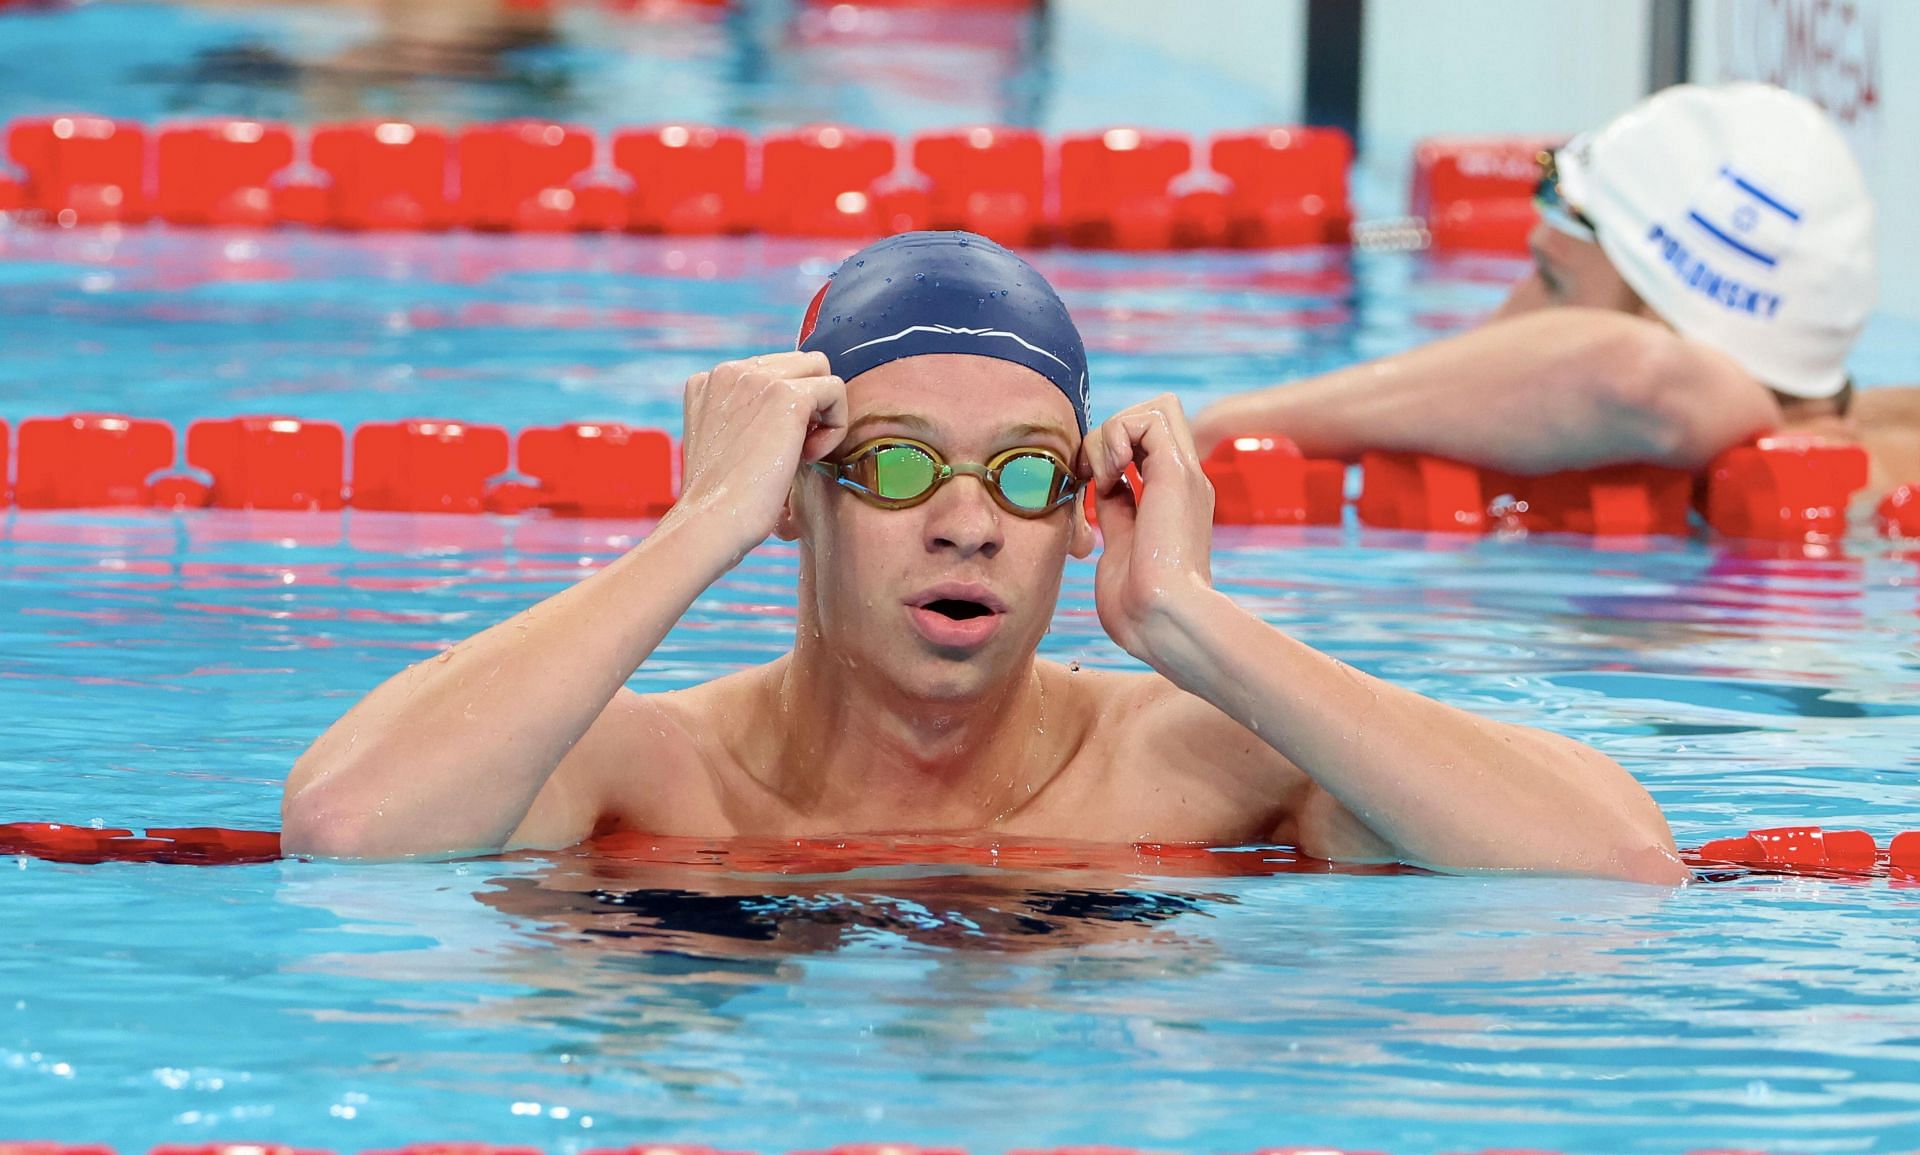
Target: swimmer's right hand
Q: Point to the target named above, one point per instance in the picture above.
(751, 425)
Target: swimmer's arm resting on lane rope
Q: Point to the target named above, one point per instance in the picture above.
(1546, 390)
(451, 754)
(1394, 774)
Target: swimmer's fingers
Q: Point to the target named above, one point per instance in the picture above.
(1107, 451)
(692, 403)
(1153, 435)
(825, 399)
(732, 385)
(1117, 509)
(771, 366)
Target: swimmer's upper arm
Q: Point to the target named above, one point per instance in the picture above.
(1668, 400)
(595, 780)
(1322, 826)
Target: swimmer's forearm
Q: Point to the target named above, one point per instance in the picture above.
(1536, 393)
(1443, 787)
(449, 754)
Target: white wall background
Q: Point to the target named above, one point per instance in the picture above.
(1860, 60)
(1492, 66)
(1500, 66)
(1176, 65)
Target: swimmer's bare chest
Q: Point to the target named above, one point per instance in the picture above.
(1114, 775)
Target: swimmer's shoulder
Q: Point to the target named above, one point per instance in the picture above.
(1888, 405)
(1156, 762)
(1128, 711)
(657, 761)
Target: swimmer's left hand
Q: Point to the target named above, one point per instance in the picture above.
(1157, 556)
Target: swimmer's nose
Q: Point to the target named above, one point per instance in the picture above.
(962, 518)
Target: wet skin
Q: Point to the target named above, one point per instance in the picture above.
(882, 719)
(1571, 271)
(1572, 371)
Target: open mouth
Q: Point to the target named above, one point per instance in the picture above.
(959, 609)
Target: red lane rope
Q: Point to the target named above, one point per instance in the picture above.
(1121, 188)
(1808, 850)
(48, 1148)
(1126, 188)
(1779, 488)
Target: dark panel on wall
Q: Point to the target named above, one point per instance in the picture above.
(1670, 35)
(1333, 63)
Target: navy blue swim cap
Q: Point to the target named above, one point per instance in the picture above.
(945, 292)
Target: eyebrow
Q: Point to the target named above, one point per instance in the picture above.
(920, 424)
(907, 419)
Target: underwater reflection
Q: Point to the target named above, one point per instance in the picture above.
(772, 898)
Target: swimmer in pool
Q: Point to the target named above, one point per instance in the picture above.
(926, 449)
(1702, 267)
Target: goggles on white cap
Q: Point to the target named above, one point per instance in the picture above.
(1739, 215)
(1554, 208)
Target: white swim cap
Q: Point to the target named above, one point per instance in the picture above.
(1739, 216)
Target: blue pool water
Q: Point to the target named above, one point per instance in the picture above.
(161, 669)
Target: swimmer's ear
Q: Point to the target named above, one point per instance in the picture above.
(1080, 535)
(787, 526)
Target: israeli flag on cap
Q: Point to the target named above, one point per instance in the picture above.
(1746, 219)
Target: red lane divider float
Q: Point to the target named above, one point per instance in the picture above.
(1121, 188)
(384, 175)
(1265, 481)
(1775, 850)
(1476, 193)
(530, 176)
(49, 1148)
(1779, 488)
(1785, 487)
(89, 460)
(1800, 846)
(1116, 188)
(1289, 186)
(194, 845)
(82, 170)
(426, 466)
(991, 181)
(687, 180)
(270, 462)
(1431, 494)
(600, 470)
(1898, 514)
(220, 172)
(821, 181)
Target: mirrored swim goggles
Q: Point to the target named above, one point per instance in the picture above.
(899, 472)
(1555, 209)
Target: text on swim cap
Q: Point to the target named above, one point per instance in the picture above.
(1696, 274)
